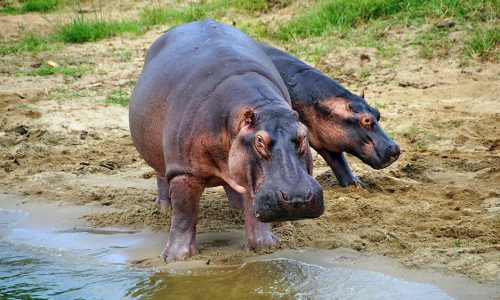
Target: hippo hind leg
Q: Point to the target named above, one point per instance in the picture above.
(258, 234)
(163, 197)
(185, 193)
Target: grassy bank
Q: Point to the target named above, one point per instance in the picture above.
(326, 25)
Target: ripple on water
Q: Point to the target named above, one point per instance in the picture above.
(37, 271)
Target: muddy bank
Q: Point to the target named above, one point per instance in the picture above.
(54, 239)
(437, 207)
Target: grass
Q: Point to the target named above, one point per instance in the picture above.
(342, 15)
(325, 26)
(366, 22)
(118, 97)
(432, 43)
(121, 95)
(65, 70)
(82, 29)
(31, 43)
(43, 6)
(419, 137)
(484, 44)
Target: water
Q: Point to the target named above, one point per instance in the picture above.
(57, 262)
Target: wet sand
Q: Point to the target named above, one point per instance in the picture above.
(61, 226)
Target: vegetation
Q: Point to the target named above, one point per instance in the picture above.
(341, 15)
(326, 25)
(118, 97)
(83, 29)
(484, 44)
(65, 70)
(31, 6)
(419, 137)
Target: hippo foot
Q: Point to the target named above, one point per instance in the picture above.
(352, 181)
(178, 250)
(163, 203)
(261, 240)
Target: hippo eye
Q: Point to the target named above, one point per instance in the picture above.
(366, 121)
(261, 147)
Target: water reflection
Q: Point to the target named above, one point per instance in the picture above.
(76, 264)
(282, 279)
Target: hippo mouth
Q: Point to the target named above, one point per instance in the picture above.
(377, 163)
(375, 159)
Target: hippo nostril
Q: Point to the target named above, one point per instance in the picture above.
(309, 197)
(393, 151)
(397, 151)
(284, 197)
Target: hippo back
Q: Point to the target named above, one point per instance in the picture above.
(182, 71)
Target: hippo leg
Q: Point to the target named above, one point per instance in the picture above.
(258, 234)
(185, 193)
(163, 198)
(340, 168)
(235, 199)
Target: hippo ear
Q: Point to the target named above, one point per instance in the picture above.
(362, 95)
(249, 118)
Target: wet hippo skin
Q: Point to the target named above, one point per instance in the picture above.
(337, 120)
(211, 109)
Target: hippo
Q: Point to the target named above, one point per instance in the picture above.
(337, 120)
(210, 109)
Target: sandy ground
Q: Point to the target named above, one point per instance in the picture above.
(60, 141)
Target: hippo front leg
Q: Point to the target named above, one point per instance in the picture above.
(234, 198)
(340, 168)
(185, 193)
(163, 197)
(258, 234)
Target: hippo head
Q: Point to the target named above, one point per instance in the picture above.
(270, 157)
(350, 124)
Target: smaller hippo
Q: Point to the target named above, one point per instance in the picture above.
(337, 120)
(210, 109)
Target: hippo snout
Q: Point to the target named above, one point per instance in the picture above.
(296, 200)
(393, 152)
(274, 204)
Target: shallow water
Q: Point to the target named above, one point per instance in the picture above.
(62, 261)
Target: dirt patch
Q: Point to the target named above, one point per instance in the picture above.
(438, 206)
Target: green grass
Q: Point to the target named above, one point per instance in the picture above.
(365, 23)
(342, 15)
(43, 6)
(484, 44)
(83, 29)
(31, 43)
(65, 70)
(89, 29)
(212, 9)
(419, 137)
(328, 25)
(433, 42)
(118, 97)
(121, 95)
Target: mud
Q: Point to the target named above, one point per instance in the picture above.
(437, 207)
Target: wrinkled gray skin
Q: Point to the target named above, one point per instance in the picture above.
(210, 109)
(337, 120)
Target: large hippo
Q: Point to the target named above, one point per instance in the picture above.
(337, 120)
(210, 109)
